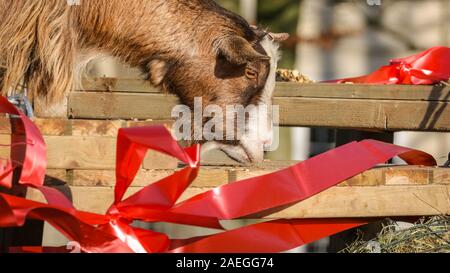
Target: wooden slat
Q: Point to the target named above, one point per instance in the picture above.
(73, 152)
(215, 176)
(118, 85)
(79, 127)
(389, 115)
(96, 127)
(96, 105)
(368, 114)
(364, 91)
(208, 177)
(441, 176)
(381, 176)
(292, 89)
(409, 175)
(381, 201)
(69, 152)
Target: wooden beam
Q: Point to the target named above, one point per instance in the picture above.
(218, 176)
(98, 105)
(118, 85)
(208, 177)
(386, 115)
(364, 91)
(79, 127)
(73, 152)
(292, 89)
(380, 201)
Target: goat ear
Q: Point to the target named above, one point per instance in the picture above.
(157, 70)
(239, 51)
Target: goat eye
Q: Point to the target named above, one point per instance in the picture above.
(251, 74)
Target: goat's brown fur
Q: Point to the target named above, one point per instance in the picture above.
(41, 40)
(192, 48)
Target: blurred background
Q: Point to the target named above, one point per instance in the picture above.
(335, 39)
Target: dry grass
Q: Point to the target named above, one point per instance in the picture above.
(426, 236)
(286, 75)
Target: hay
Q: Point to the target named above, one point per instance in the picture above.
(286, 75)
(426, 236)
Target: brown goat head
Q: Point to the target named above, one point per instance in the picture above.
(192, 48)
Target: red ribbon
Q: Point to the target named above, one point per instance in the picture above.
(157, 202)
(429, 67)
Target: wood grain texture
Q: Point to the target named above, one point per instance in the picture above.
(98, 153)
(208, 177)
(80, 127)
(409, 175)
(292, 89)
(363, 91)
(441, 176)
(101, 105)
(91, 128)
(218, 176)
(381, 201)
(117, 85)
(386, 115)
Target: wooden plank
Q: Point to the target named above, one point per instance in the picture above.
(374, 177)
(216, 176)
(388, 115)
(208, 177)
(292, 89)
(390, 176)
(408, 175)
(70, 152)
(99, 105)
(73, 152)
(363, 91)
(369, 114)
(5, 125)
(118, 85)
(381, 201)
(80, 127)
(53, 126)
(5, 151)
(90, 128)
(107, 178)
(441, 176)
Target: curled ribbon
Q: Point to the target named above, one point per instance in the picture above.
(429, 67)
(157, 202)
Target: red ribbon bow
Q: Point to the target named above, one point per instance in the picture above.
(429, 67)
(157, 202)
